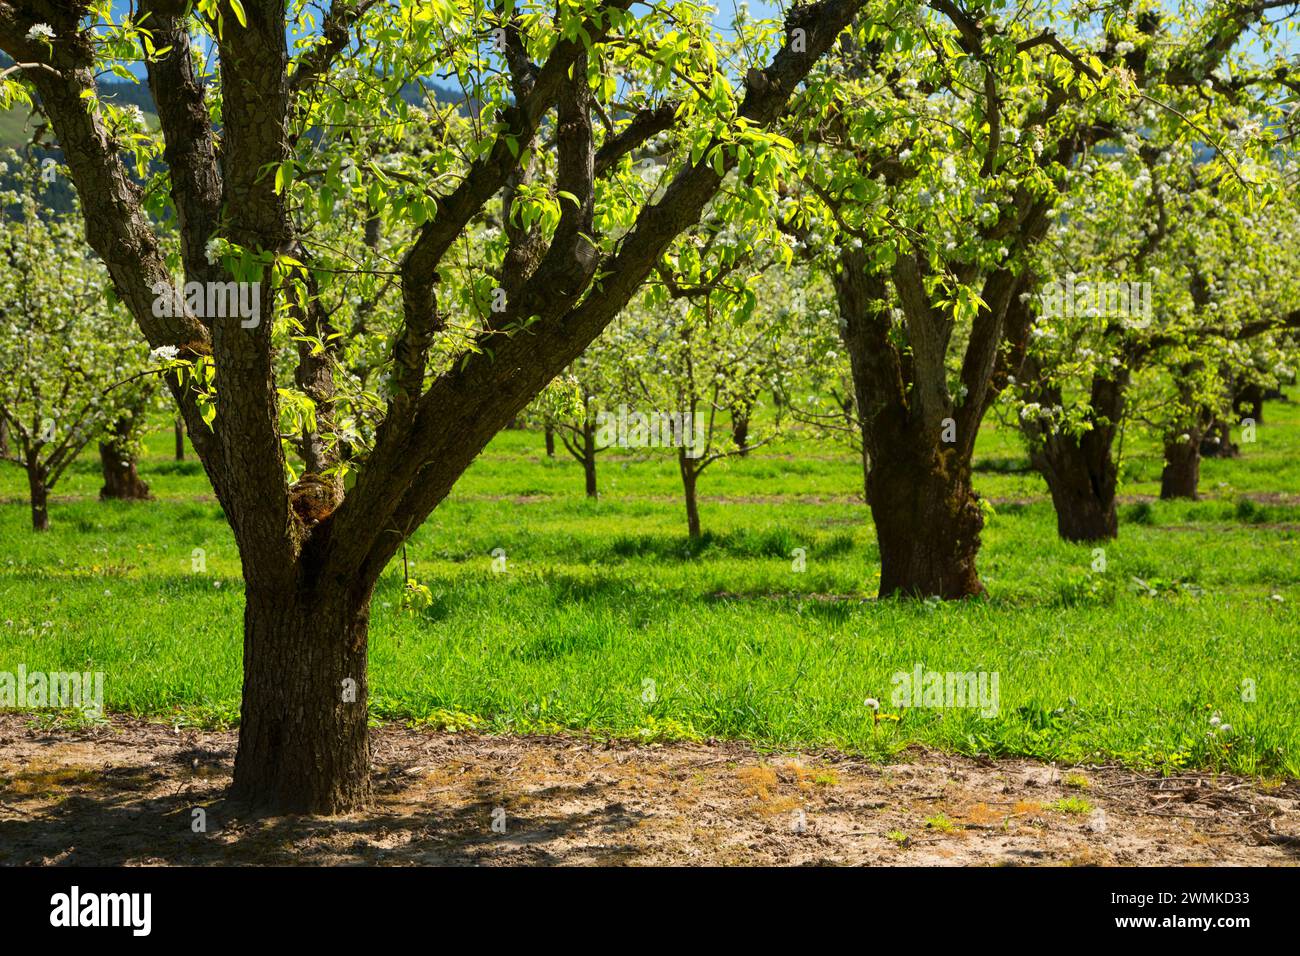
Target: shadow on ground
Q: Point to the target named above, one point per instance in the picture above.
(135, 793)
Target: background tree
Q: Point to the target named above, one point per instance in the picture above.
(122, 440)
(935, 162)
(64, 347)
(596, 382)
(701, 345)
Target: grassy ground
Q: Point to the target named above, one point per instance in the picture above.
(607, 620)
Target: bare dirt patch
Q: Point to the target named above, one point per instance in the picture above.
(125, 794)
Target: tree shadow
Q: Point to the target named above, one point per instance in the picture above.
(142, 813)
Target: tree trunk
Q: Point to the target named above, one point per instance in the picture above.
(303, 739)
(589, 457)
(1080, 470)
(1249, 403)
(740, 432)
(928, 523)
(1182, 471)
(121, 480)
(180, 438)
(1082, 486)
(39, 495)
(1217, 441)
(550, 441)
(866, 474)
(689, 478)
(4, 437)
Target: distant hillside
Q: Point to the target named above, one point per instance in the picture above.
(18, 127)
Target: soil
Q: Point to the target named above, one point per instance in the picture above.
(125, 794)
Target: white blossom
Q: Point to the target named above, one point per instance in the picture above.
(212, 251)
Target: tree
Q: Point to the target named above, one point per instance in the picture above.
(63, 354)
(1176, 283)
(933, 175)
(698, 345)
(1243, 294)
(571, 404)
(121, 442)
(936, 155)
(556, 101)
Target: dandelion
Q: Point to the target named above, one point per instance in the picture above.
(872, 703)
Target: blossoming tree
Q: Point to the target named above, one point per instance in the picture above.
(558, 97)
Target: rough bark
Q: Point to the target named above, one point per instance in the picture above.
(303, 739)
(1182, 471)
(1082, 478)
(117, 462)
(122, 482)
(1080, 470)
(309, 573)
(927, 515)
(1249, 403)
(928, 523)
(740, 431)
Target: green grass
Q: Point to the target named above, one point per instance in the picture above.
(608, 621)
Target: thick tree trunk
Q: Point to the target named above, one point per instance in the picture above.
(550, 441)
(1082, 486)
(180, 438)
(689, 479)
(1182, 471)
(589, 457)
(303, 740)
(39, 495)
(918, 486)
(1080, 470)
(928, 523)
(121, 480)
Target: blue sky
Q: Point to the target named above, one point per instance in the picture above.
(766, 9)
